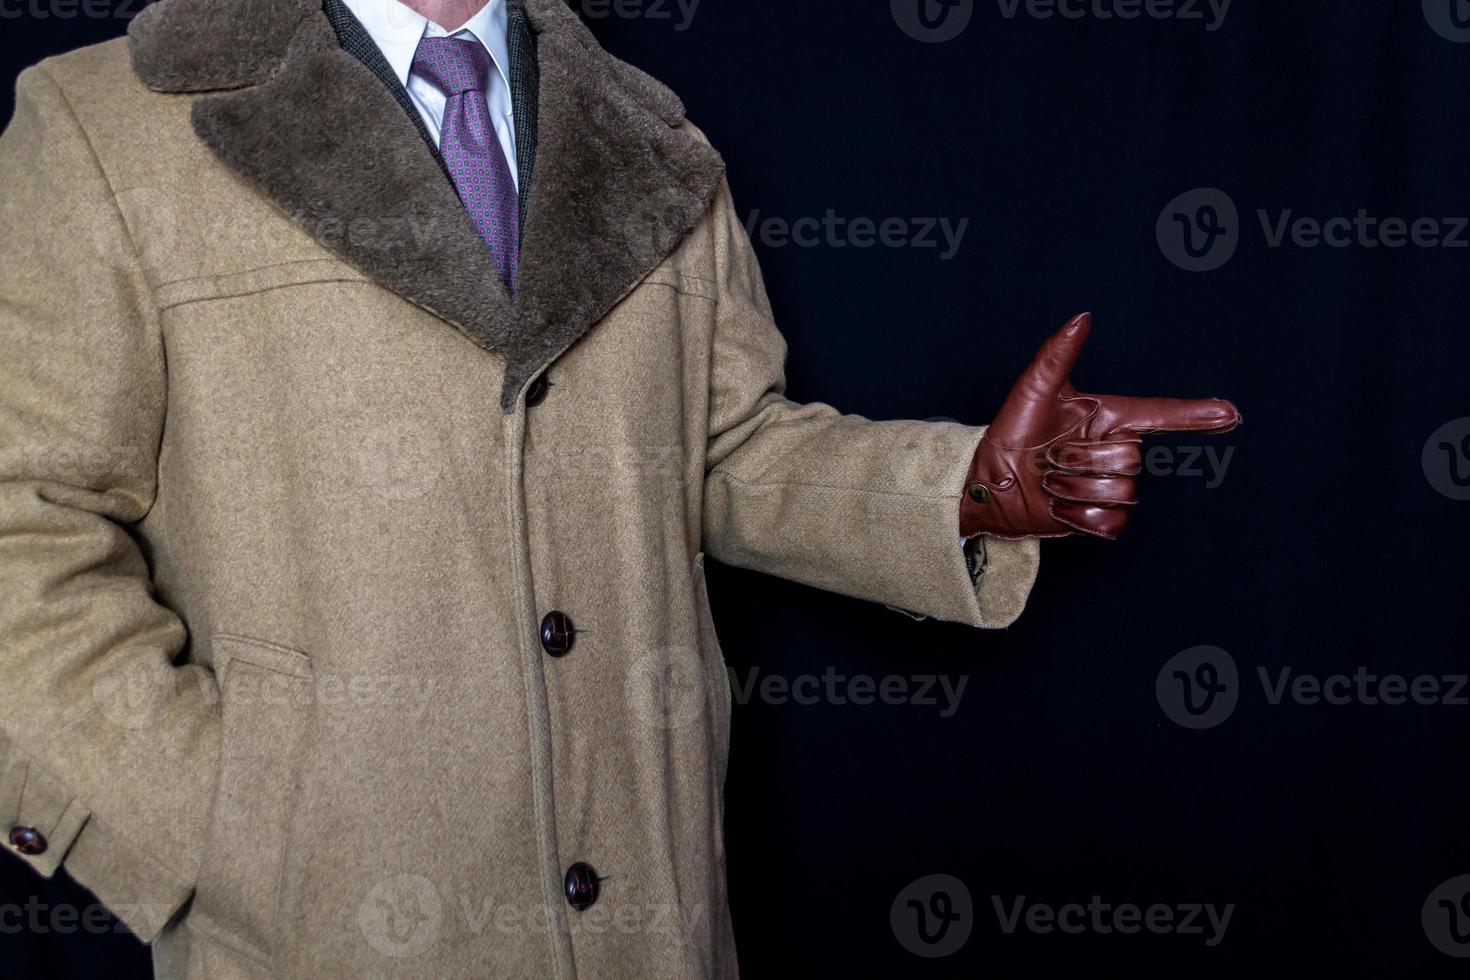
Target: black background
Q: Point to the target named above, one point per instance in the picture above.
(1324, 549)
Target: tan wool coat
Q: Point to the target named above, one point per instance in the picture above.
(289, 485)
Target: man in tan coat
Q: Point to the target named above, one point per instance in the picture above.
(371, 391)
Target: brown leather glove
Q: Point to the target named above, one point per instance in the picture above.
(1056, 462)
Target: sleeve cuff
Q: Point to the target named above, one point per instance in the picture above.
(984, 582)
(47, 827)
(1005, 573)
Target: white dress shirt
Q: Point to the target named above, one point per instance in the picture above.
(396, 30)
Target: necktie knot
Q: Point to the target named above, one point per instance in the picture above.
(453, 65)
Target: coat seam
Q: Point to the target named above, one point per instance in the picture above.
(777, 484)
(247, 272)
(96, 162)
(253, 641)
(137, 257)
(24, 777)
(538, 706)
(270, 670)
(215, 932)
(256, 292)
(681, 288)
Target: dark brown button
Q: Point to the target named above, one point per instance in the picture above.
(979, 493)
(581, 886)
(557, 633)
(536, 394)
(27, 840)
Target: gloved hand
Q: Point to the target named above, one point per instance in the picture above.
(1056, 462)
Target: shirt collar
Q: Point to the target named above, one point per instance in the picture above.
(397, 30)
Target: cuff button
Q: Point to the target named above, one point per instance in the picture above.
(27, 840)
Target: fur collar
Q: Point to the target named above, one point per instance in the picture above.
(619, 179)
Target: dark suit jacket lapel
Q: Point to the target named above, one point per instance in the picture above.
(618, 179)
(525, 86)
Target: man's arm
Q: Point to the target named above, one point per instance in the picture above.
(108, 752)
(867, 509)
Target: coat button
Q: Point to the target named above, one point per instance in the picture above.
(581, 886)
(980, 493)
(29, 840)
(557, 633)
(536, 394)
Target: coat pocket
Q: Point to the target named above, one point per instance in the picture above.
(267, 696)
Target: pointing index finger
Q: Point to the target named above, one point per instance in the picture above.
(1142, 416)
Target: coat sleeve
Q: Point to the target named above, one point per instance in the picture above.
(108, 751)
(867, 509)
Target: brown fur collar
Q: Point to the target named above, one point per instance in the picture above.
(619, 179)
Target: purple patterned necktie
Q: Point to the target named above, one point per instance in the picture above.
(460, 68)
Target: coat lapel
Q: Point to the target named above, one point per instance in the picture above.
(619, 180)
(324, 138)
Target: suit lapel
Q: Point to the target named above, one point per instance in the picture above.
(619, 180)
(525, 85)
